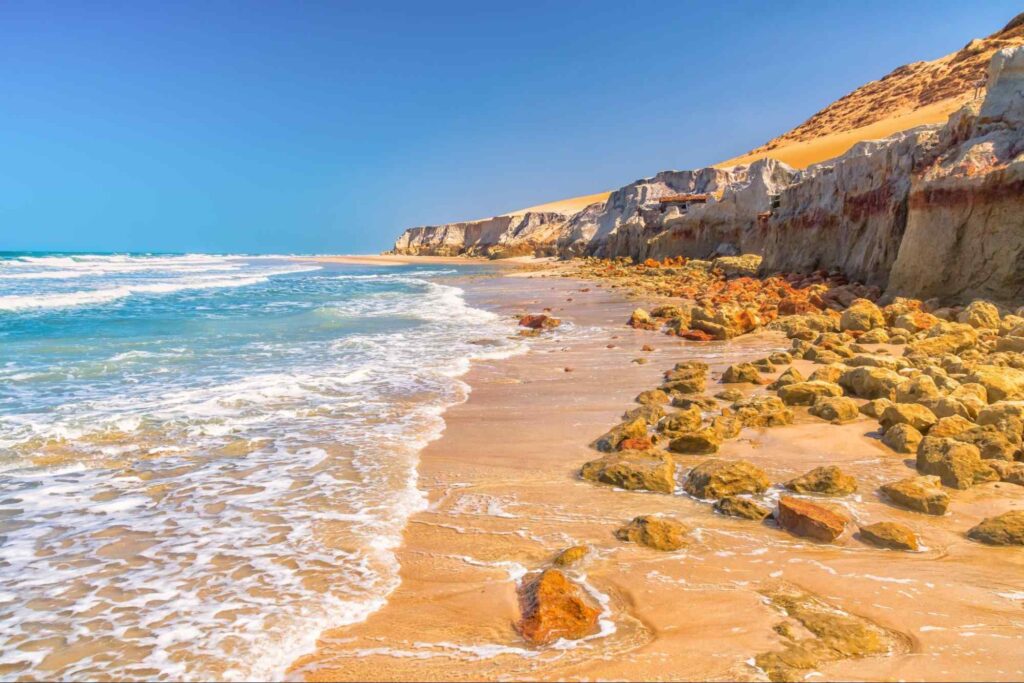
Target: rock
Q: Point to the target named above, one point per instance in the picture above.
(655, 532)
(916, 321)
(633, 470)
(917, 416)
(862, 316)
(980, 315)
(951, 426)
(922, 494)
(1004, 529)
(745, 265)
(650, 413)
(705, 403)
(1011, 343)
(763, 411)
(1001, 383)
(991, 443)
(876, 407)
(727, 427)
(875, 336)
(790, 376)
(718, 478)
(916, 389)
(668, 311)
(686, 379)
(806, 393)
(869, 382)
(571, 557)
(807, 519)
(828, 480)
(730, 395)
(889, 535)
(741, 372)
(957, 464)
(834, 635)
(539, 322)
(1010, 472)
(784, 358)
(554, 607)
(652, 396)
(737, 506)
(700, 442)
(1001, 411)
(611, 440)
(836, 409)
(943, 339)
(676, 423)
(902, 438)
(641, 320)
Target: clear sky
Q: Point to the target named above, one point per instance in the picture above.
(331, 126)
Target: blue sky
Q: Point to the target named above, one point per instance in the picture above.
(331, 126)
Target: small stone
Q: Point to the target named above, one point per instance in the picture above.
(571, 557)
(652, 396)
(539, 322)
(889, 535)
(655, 532)
(700, 442)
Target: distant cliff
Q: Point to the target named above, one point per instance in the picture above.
(935, 211)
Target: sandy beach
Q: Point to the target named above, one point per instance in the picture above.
(505, 497)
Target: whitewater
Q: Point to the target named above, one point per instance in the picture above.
(207, 460)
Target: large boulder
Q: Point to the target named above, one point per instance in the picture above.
(980, 315)
(902, 438)
(890, 535)
(958, 465)
(789, 376)
(869, 382)
(917, 389)
(719, 478)
(1004, 529)
(943, 339)
(762, 411)
(1001, 383)
(660, 533)
(861, 316)
(827, 480)
(836, 409)
(553, 607)
(921, 494)
(633, 470)
(917, 416)
(807, 393)
(810, 520)
(741, 372)
(687, 378)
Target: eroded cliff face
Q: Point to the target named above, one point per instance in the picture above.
(936, 211)
(531, 233)
(965, 226)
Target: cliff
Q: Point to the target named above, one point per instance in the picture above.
(934, 211)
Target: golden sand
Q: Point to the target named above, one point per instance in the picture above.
(505, 498)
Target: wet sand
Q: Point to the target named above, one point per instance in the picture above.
(505, 498)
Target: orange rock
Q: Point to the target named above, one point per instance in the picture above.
(554, 607)
(695, 335)
(537, 322)
(804, 518)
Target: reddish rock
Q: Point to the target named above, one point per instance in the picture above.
(554, 607)
(695, 335)
(804, 518)
(539, 322)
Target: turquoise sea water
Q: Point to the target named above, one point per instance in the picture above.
(206, 460)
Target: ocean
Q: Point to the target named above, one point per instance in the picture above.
(207, 460)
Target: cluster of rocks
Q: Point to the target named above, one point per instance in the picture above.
(954, 399)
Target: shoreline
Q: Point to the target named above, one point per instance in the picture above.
(504, 498)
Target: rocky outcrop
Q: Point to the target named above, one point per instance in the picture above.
(553, 607)
(530, 233)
